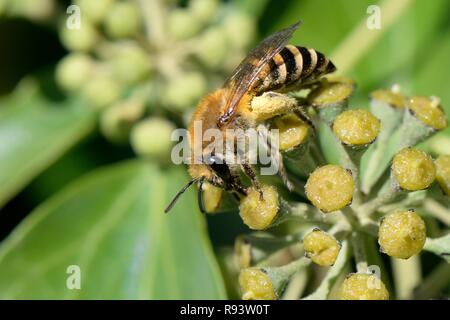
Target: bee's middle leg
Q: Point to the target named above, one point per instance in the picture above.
(275, 155)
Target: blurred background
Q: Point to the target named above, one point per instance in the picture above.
(90, 93)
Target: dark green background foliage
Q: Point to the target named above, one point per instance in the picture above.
(68, 197)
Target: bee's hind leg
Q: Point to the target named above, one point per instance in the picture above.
(275, 155)
(301, 113)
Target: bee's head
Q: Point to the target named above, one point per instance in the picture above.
(220, 170)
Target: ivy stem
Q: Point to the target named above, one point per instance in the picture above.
(296, 286)
(351, 216)
(359, 252)
(304, 212)
(436, 281)
(345, 56)
(436, 210)
(407, 275)
(154, 16)
(294, 266)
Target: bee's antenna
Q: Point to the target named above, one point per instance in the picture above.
(179, 193)
(201, 205)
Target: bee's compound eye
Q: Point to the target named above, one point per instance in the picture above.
(212, 160)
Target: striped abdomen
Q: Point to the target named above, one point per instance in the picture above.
(293, 66)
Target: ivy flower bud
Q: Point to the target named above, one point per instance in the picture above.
(321, 247)
(268, 283)
(293, 131)
(183, 24)
(389, 97)
(402, 234)
(211, 47)
(83, 39)
(256, 284)
(442, 164)
(330, 92)
(73, 71)
(330, 188)
(102, 91)
(330, 98)
(151, 138)
(243, 252)
(203, 9)
(96, 10)
(356, 127)
(38, 10)
(131, 64)
(240, 28)
(362, 286)
(257, 213)
(184, 91)
(428, 110)
(123, 20)
(116, 122)
(413, 169)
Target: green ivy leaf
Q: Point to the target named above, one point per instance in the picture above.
(111, 224)
(34, 133)
(439, 246)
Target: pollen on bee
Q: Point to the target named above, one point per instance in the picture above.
(271, 104)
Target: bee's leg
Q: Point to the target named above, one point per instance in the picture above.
(301, 113)
(275, 155)
(248, 170)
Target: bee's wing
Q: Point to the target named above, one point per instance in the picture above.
(247, 71)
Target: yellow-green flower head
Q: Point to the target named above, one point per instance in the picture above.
(256, 285)
(102, 90)
(74, 70)
(116, 121)
(151, 138)
(330, 188)
(321, 247)
(331, 92)
(442, 164)
(83, 39)
(363, 286)
(402, 234)
(131, 64)
(123, 20)
(257, 213)
(293, 131)
(96, 10)
(242, 249)
(429, 111)
(183, 24)
(390, 97)
(181, 96)
(413, 169)
(356, 127)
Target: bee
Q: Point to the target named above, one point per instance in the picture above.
(272, 66)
